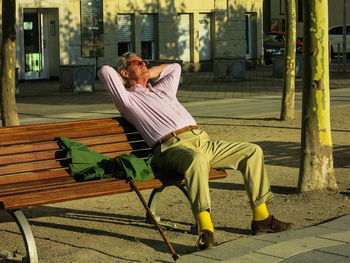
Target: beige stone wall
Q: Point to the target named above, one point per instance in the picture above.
(230, 31)
(227, 27)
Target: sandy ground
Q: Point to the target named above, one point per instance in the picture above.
(113, 228)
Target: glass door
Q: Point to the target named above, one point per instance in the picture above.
(35, 44)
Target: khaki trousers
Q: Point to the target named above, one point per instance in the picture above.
(192, 154)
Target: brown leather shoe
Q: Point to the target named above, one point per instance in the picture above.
(206, 239)
(270, 225)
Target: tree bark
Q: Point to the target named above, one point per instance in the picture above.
(316, 171)
(9, 114)
(287, 109)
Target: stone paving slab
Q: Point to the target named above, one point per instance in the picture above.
(253, 257)
(341, 223)
(297, 233)
(319, 243)
(343, 250)
(314, 256)
(294, 247)
(339, 236)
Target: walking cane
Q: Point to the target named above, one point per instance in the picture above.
(132, 184)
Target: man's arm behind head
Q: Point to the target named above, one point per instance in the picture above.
(154, 72)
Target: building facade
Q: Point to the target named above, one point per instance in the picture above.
(51, 33)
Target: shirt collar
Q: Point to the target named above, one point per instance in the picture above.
(140, 88)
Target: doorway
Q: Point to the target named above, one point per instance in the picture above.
(35, 38)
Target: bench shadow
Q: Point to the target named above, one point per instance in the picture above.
(157, 245)
(87, 217)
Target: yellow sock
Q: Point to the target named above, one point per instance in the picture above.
(260, 212)
(204, 221)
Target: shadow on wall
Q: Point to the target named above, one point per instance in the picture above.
(227, 29)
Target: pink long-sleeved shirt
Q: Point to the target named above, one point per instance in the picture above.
(154, 111)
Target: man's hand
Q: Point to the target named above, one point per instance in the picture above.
(154, 72)
(123, 81)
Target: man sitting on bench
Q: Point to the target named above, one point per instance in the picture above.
(179, 145)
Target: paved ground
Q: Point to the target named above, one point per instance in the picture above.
(327, 242)
(259, 94)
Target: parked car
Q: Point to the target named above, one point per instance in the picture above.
(274, 43)
(335, 35)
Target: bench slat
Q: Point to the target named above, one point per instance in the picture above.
(32, 176)
(62, 125)
(51, 145)
(29, 167)
(18, 188)
(32, 137)
(55, 164)
(58, 154)
(73, 190)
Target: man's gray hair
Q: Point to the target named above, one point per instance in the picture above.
(122, 61)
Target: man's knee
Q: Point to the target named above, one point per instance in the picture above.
(198, 159)
(258, 148)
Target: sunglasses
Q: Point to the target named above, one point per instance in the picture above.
(137, 63)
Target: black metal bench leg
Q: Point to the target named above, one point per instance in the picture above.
(27, 235)
(152, 204)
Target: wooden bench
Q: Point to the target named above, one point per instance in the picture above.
(32, 173)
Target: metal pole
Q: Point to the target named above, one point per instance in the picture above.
(344, 36)
(133, 186)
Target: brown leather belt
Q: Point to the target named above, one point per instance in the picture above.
(177, 132)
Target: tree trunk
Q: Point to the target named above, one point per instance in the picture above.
(9, 114)
(316, 171)
(287, 109)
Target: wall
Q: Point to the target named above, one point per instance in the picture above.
(53, 41)
(227, 22)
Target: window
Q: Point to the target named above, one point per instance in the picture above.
(184, 38)
(124, 47)
(124, 34)
(147, 37)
